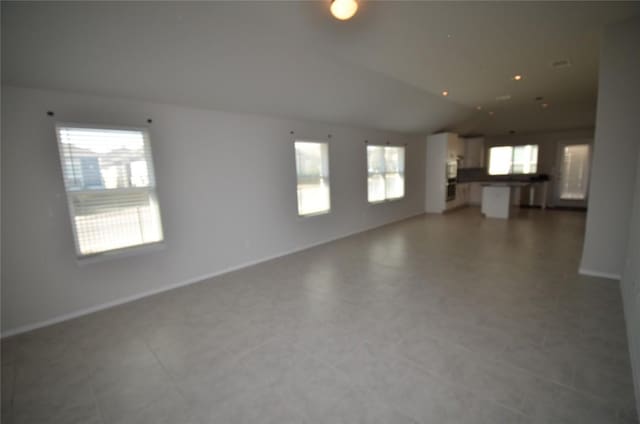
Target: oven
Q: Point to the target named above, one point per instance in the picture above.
(451, 190)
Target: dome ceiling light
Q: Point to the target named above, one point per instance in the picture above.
(344, 9)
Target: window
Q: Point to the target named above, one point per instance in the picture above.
(108, 176)
(574, 175)
(385, 166)
(505, 160)
(312, 168)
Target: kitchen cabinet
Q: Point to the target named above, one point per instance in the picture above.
(443, 153)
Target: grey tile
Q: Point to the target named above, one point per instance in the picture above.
(324, 395)
(402, 324)
(8, 350)
(264, 366)
(68, 413)
(255, 406)
(123, 390)
(615, 390)
(170, 408)
(8, 383)
(571, 407)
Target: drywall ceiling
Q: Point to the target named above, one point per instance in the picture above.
(384, 69)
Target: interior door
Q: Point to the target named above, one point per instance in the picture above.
(573, 168)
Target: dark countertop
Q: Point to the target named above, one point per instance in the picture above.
(480, 175)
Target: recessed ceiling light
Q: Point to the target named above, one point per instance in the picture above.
(544, 105)
(479, 107)
(517, 77)
(343, 9)
(491, 113)
(445, 93)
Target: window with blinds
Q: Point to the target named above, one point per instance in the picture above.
(574, 174)
(385, 173)
(312, 169)
(504, 160)
(110, 185)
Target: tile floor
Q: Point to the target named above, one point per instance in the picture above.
(437, 319)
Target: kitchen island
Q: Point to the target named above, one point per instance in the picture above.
(498, 190)
(496, 197)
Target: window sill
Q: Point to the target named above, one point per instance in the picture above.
(311, 215)
(380, 202)
(121, 253)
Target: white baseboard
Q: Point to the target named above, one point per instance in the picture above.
(592, 273)
(193, 280)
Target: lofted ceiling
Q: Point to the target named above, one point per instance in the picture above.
(383, 69)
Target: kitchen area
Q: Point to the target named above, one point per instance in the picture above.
(459, 174)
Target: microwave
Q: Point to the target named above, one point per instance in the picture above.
(452, 169)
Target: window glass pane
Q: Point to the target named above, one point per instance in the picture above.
(525, 159)
(103, 158)
(395, 185)
(500, 160)
(312, 168)
(375, 179)
(575, 172)
(108, 175)
(376, 188)
(375, 159)
(394, 166)
(115, 220)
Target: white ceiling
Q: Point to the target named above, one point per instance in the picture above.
(383, 69)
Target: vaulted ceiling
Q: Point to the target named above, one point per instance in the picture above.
(385, 68)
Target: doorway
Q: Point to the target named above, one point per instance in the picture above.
(573, 167)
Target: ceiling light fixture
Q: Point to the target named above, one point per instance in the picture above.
(545, 105)
(343, 9)
(517, 77)
(445, 93)
(491, 113)
(479, 107)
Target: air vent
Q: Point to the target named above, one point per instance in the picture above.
(503, 98)
(564, 63)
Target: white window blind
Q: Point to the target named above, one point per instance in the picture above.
(575, 172)
(385, 169)
(312, 168)
(505, 160)
(108, 176)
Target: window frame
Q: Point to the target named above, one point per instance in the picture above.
(328, 178)
(120, 251)
(384, 174)
(511, 163)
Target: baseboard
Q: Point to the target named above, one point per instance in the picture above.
(193, 280)
(592, 273)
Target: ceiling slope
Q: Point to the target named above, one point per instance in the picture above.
(384, 69)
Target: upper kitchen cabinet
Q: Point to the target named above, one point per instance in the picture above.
(473, 152)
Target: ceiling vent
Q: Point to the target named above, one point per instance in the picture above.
(503, 98)
(564, 63)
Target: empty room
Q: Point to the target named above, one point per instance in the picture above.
(320, 212)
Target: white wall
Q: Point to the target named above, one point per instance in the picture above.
(547, 151)
(227, 192)
(631, 287)
(612, 244)
(615, 151)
